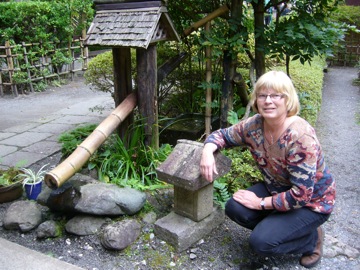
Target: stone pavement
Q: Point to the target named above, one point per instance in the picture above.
(31, 124)
(14, 256)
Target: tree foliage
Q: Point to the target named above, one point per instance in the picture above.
(304, 33)
(44, 21)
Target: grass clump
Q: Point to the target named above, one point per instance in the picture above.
(125, 162)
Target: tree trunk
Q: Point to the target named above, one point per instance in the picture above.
(240, 88)
(229, 68)
(227, 89)
(287, 59)
(208, 89)
(259, 37)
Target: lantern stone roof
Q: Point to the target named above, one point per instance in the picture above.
(131, 25)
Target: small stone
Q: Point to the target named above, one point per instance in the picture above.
(150, 218)
(192, 256)
(201, 241)
(88, 247)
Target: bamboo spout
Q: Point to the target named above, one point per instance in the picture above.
(218, 12)
(60, 174)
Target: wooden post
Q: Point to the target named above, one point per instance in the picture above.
(1, 86)
(72, 65)
(43, 64)
(147, 93)
(208, 81)
(84, 50)
(122, 83)
(10, 64)
(27, 67)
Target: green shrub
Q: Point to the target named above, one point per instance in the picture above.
(43, 21)
(59, 59)
(100, 72)
(308, 81)
(347, 14)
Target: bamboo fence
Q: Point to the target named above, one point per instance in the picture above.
(27, 63)
(349, 54)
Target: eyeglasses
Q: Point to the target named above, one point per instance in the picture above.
(263, 97)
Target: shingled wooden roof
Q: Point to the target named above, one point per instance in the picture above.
(137, 27)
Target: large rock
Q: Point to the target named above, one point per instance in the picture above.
(48, 229)
(64, 198)
(85, 225)
(109, 199)
(120, 235)
(23, 216)
(89, 196)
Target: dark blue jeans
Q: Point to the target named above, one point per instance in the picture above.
(274, 232)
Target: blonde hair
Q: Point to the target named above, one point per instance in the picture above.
(281, 83)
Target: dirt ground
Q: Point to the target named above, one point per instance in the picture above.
(338, 129)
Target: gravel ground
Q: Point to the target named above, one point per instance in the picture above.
(227, 247)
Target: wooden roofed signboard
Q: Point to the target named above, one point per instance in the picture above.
(130, 24)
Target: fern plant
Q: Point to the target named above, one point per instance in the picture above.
(243, 174)
(221, 193)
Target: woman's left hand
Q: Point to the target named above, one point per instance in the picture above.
(247, 198)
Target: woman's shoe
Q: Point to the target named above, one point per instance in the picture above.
(309, 261)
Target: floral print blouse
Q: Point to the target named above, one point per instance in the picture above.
(293, 167)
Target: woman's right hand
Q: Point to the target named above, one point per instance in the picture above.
(207, 162)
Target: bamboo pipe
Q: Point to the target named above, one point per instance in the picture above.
(60, 174)
(218, 12)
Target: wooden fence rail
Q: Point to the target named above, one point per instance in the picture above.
(349, 54)
(22, 65)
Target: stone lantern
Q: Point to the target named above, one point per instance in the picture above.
(194, 214)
